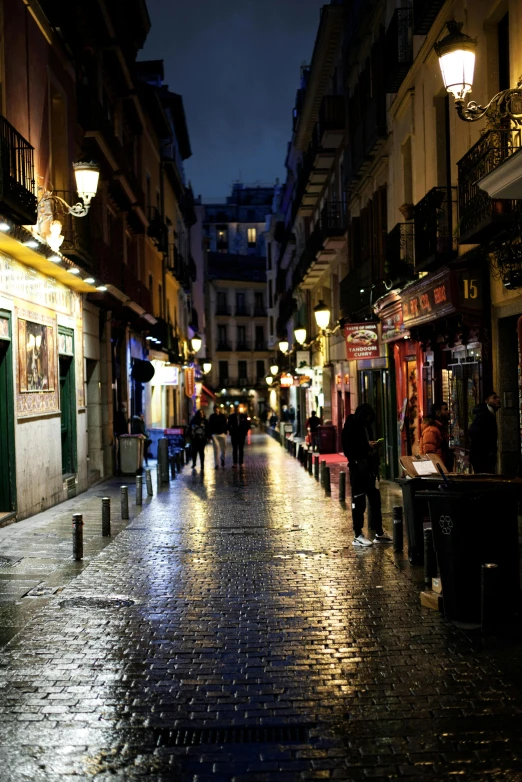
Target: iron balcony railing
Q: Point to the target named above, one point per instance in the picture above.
(259, 312)
(400, 253)
(222, 309)
(424, 14)
(17, 184)
(399, 48)
(224, 346)
(434, 219)
(479, 214)
(242, 312)
(333, 219)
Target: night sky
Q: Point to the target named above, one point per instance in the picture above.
(236, 64)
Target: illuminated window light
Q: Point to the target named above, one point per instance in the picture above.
(73, 270)
(5, 227)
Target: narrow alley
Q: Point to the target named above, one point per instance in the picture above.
(231, 631)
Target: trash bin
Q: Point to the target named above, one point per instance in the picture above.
(415, 513)
(474, 523)
(327, 438)
(131, 453)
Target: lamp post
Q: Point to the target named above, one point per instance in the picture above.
(283, 346)
(269, 380)
(274, 369)
(206, 366)
(300, 335)
(322, 315)
(196, 343)
(456, 53)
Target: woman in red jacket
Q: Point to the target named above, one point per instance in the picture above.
(434, 438)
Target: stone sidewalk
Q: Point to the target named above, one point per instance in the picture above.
(230, 631)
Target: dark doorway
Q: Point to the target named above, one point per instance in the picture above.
(68, 414)
(7, 449)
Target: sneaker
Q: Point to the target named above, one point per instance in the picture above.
(384, 538)
(361, 541)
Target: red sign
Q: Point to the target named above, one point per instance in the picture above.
(189, 382)
(287, 381)
(362, 341)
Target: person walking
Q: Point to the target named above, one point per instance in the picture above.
(363, 462)
(312, 425)
(483, 435)
(238, 425)
(199, 433)
(138, 427)
(217, 427)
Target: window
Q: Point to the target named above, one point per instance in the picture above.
(259, 304)
(223, 371)
(260, 337)
(251, 236)
(242, 372)
(222, 238)
(260, 369)
(221, 304)
(241, 337)
(241, 304)
(222, 337)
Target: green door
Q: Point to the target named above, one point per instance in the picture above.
(68, 414)
(7, 448)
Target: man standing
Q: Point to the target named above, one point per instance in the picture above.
(483, 435)
(360, 449)
(217, 424)
(313, 424)
(238, 426)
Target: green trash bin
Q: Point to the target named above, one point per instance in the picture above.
(475, 523)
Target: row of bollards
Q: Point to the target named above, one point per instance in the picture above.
(176, 462)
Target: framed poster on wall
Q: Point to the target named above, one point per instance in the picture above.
(36, 352)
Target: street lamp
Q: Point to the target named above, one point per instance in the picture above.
(269, 380)
(207, 366)
(196, 343)
(322, 315)
(274, 369)
(300, 335)
(456, 53)
(283, 346)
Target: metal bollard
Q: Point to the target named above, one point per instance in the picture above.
(327, 484)
(163, 459)
(323, 468)
(398, 528)
(77, 536)
(430, 561)
(300, 454)
(124, 497)
(489, 597)
(106, 517)
(342, 486)
(310, 462)
(316, 467)
(158, 477)
(139, 490)
(173, 468)
(187, 455)
(148, 478)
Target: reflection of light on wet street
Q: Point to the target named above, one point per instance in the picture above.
(249, 607)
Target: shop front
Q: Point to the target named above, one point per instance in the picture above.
(446, 358)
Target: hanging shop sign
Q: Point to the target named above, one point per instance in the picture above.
(305, 381)
(392, 321)
(286, 381)
(190, 386)
(362, 341)
(302, 359)
(442, 294)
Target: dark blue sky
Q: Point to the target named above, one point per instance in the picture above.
(236, 63)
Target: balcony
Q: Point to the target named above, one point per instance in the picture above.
(242, 347)
(400, 253)
(424, 14)
(158, 230)
(434, 218)
(242, 312)
(259, 312)
(222, 310)
(399, 48)
(17, 187)
(286, 309)
(333, 225)
(110, 269)
(260, 346)
(359, 290)
(177, 266)
(482, 217)
(224, 347)
(240, 382)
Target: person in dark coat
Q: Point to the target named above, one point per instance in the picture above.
(483, 435)
(200, 436)
(238, 427)
(138, 427)
(217, 426)
(360, 449)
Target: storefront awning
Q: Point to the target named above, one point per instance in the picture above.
(209, 393)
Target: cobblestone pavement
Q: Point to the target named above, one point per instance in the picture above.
(236, 601)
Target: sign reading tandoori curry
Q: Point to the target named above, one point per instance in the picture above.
(362, 340)
(441, 294)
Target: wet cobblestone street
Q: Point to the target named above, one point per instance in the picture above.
(236, 600)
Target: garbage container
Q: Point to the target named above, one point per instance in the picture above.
(475, 523)
(416, 512)
(327, 438)
(131, 453)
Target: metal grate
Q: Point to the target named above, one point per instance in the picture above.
(234, 734)
(95, 602)
(70, 487)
